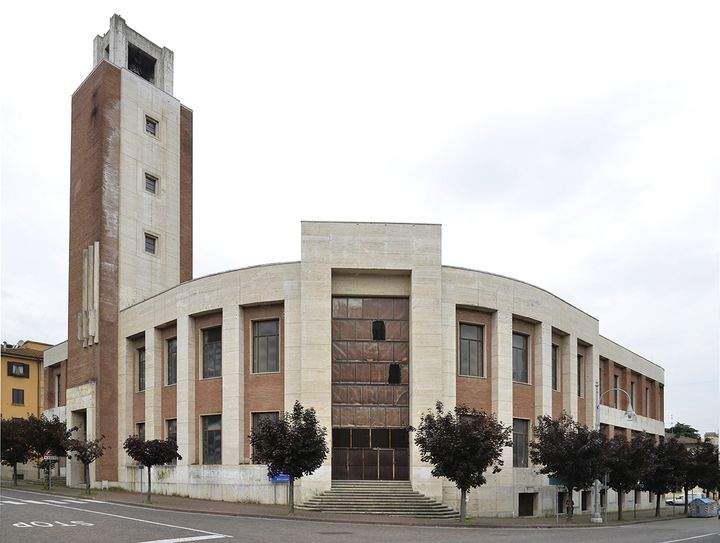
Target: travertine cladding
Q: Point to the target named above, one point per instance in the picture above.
(142, 274)
(55, 354)
(366, 260)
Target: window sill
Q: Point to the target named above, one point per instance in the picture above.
(209, 378)
(265, 372)
(473, 376)
(170, 385)
(522, 383)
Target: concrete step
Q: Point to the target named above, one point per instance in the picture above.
(377, 497)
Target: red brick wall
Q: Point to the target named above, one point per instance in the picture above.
(186, 194)
(263, 391)
(138, 397)
(475, 392)
(169, 392)
(582, 418)
(557, 405)
(524, 394)
(94, 194)
(208, 392)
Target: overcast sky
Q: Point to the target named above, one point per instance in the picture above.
(572, 145)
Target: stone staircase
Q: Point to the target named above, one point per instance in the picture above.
(379, 498)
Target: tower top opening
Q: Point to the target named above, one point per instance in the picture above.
(125, 48)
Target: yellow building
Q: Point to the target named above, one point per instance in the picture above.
(21, 379)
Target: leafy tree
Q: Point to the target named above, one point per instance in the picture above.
(702, 468)
(15, 446)
(625, 461)
(86, 452)
(154, 452)
(667, 464)
(48, 434)
(293, 445)
(569, 451)
(685, 430)
(462, 446)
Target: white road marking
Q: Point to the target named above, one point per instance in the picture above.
(183, 539)
(693, 537)
(11, 502)
(94, 512)
(54, 501)
(73, 501)
(35, 502)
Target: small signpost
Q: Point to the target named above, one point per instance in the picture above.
(49, 457)
(279, 478)
(558, 483)
(141, 468)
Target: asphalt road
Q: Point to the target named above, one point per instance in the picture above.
(33, 517)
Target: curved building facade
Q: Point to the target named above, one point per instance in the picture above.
(369, 328)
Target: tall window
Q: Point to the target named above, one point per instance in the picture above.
(141, 369)
(580, 376)
(647, 401)
(212, 352)
(520, 358)
(140, 427)
(471, 350)
(57, 390)
(171, 430)
(266, 343)
(212, 439)
(257, 418)
(616, 386)
(555, 367)
(171, 433)
(18, 396)
(520, 443)
(633, 401)
(172, 361)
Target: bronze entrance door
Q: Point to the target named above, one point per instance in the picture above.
(354, 458)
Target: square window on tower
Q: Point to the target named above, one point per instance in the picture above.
(151, 126)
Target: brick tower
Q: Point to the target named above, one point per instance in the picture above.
(130, 217)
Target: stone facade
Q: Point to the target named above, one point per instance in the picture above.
(365, 328)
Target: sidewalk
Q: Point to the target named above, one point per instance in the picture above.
(191, 505)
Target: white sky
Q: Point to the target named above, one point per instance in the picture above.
(572, 145)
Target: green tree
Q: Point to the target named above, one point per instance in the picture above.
(462, 445)
(625, 462)
(569, 451)
(685, 430)
(702, 468)
(48, 434)
(154, 452)
(15, 447)
(294, 445)
(666, 469)
(86, 452)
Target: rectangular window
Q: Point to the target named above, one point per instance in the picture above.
(520, 443)
(633, 401)
(272, 416)
(520, 358)
(471, 350)
(57, 390)
(151, 183)
(171, 430)
(555, 367)
(150, 244)
(616, 391)
(212, 439)
(172, 361)
(140, 427)
(266, 343)
(580, 376)
(171, 433)
(18, 396)
(141, 369)
(647, 401)
(212, 352)
(18, 369)
(151, 126)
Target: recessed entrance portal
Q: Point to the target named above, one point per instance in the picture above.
(370, 376)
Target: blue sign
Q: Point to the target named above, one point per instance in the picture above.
(280, 478)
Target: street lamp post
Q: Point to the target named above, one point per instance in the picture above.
(629, 415)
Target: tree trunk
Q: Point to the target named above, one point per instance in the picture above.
(15, 473)
(463, 505)
(149, 483)
(621, 499)
(569, 506)
(87, 478)
(685, 508)
(291, 496)
(657, 504)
